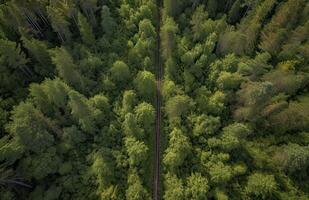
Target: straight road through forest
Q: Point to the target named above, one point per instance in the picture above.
(156, 191)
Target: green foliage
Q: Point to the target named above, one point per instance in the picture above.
(220, 195)
(286, 81)
(169, 89)
(145, 85)
(145, 115)
(232, 42)
(220, 173)
(293, 118)
(81, 82)
(292, 158)
(137, 151)
(215, 166)
(102, 106)
(238, 130)
(227, 64)
(171, 7)
(261, 185)
(39, 52)
(108, 23)
(276, 31)
(10, 151)
(57, 14)
(255, 93)
(232, 136)
(197, 187)
(212, 6)
(66, 68)
(216, 103)
(205, 125)
(178, 105)
(129, 101)
(86, 32)
(131, 128)
(110, 193)
(102, 169)
(243, 41)
(136, 190)
(168, 35)
(229, 81)
(198, 27)
(41, 165)
(31, 128)
(257, 67)
(174, 189)
(120, 72)
(82, 111)
(179, 148)
(234, 13)
(142, 52)
(13, 66)
(65, 168)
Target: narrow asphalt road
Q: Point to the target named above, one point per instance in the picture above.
(156, 191)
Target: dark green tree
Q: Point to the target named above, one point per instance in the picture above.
(85, 30)
(66, 68)
(145, 85)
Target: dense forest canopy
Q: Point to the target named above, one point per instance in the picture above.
(79, 97)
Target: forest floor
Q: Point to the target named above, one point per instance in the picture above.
(156, 191)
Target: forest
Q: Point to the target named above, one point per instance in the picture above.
(154, 99)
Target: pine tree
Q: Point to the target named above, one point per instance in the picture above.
(145, 115)
(108, 23)
(120, 72)
(261, 185)
(178, 106)
(129, 101)
(197, 187)
(179, 148)
(292, 158)
(59, 22)
(136, 190)
(102, 168)
(66, 68)
(85, 30)
(171, 7)
(31, 129)
(212, 6)
(234, 13)
(14, 69)
(131, 127)
(137, 151)
(284, 20)
(89, 8)
(174, 188)
(38, 50)
(145, 85)
(82, 111)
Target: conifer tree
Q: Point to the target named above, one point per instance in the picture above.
(66, 68)
(82, 111)
(85, 30)
(108, 23)
(145, 85)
